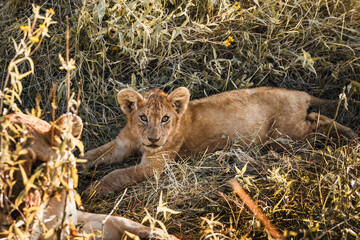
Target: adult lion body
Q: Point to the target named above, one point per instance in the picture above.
(162, 126)
(42, 144)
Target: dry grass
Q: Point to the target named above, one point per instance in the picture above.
(306, 192)
(310, 193)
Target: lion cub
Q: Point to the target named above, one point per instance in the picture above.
(59, 210)
(163, 125)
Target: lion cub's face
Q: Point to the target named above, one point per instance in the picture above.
(153, 116)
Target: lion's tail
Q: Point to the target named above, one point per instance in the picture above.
(316, 102)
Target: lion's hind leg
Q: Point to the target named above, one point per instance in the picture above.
(322, 124)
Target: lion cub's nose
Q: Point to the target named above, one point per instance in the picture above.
(153, 140)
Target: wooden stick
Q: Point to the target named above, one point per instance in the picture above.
(255, 209)
(67, 63)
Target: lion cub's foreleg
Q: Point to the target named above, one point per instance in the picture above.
(135, 174)
(113, 227)
(111, 152)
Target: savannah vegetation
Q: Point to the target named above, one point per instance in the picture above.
(309, 190)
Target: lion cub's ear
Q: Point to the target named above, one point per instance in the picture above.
(64, 121)
(128, 100)
(179, 98)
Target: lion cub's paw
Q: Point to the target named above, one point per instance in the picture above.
(160, 234)
(112, 182)
(97, 189)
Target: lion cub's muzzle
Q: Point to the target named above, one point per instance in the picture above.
(153, 142)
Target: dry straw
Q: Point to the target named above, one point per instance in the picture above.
(310, 190)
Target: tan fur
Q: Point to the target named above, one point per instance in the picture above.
(251, 116)
(40, 145)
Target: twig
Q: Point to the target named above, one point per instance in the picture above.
(17, 209)
(255, 209)
(63, 217)
(112, 211)
(37, 46)
(334, 119)
(338, 225)
(67, 63)
(53, 93)
(33, 24)
(6, 82)
(78, 99)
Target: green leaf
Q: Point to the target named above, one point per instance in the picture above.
(355, 83)
(100, 10)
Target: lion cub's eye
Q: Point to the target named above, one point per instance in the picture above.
(143, 118)
(165, 119)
